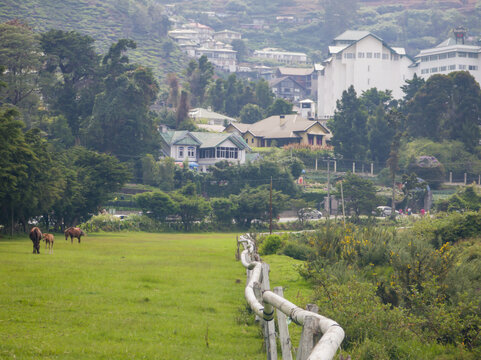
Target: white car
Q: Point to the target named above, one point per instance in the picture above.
(309, 214)
(384, 210)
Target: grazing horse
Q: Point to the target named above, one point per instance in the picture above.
(36, 236)
(74, 232)
(48, 241)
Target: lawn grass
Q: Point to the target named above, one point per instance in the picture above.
(126, 296)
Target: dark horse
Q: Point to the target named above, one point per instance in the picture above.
(74, 232)
(36, 236)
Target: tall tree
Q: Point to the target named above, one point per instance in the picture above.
(71, 58)
(182, 112)
(280, 107)
(465, 110)
(121, 123)
(264, 94)
(217, 96)
(173, 99)
(199, 75)
(349, 127)
(15, 155)
(250, 114)
(21, 56)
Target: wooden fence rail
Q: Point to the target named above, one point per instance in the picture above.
(263, 301)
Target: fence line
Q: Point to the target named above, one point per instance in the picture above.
(263, 302)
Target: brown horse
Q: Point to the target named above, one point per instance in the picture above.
(36, 236)
(48, 241)
(74, 232)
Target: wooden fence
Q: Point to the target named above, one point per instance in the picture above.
(263, 301)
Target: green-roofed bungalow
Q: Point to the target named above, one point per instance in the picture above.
(203, 149)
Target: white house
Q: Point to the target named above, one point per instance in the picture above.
(203, 149)
(451, 55)
(364, 60)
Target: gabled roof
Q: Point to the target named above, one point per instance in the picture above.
(183, 137)
(276, 81)
(279, 127)
(353, 37)
(201, 113)
(286, 71)
(202, 139)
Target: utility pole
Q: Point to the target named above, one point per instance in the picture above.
(270, 209)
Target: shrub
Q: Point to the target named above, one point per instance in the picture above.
(270, 245)
(297, 251)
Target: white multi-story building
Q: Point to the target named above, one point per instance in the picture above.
(224, 59)
(447, 57)
(285, 57)
(364, 60)
(227, 36)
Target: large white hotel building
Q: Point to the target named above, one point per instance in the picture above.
(364, 60)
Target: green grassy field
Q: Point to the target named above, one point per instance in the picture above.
(131, 296)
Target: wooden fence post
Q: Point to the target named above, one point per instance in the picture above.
(286, 344)
(269, 326)
(310, 336)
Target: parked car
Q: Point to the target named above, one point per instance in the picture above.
(309, 214)
(383, 211)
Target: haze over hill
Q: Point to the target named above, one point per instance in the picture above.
(302, 25)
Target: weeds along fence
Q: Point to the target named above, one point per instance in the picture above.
(321, 337)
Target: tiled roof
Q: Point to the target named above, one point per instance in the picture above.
(276, 127)
(286, 71)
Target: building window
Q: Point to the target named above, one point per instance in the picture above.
(424, 71)
(462, 67)
(377, 55)
(451, 54)
(473, 67)
(360, 55)
(369, 55)
(473, 55)
(452, 67)
(207, 153)
(227, 152)
(424, 58)
(442, 68)
(191, 151)
(252, 141)
(462, 54)
(339, 56)
(349, 56)
(395, 57)
(433, 57)
(385, 56)
(434, 69)
(443, 56)
(181, 151)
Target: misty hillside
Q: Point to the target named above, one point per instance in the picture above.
(106, 21)
(302, 25)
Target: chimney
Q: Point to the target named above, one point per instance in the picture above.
(282, 120)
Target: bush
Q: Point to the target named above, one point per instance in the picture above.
(270, 245)
(297, 251)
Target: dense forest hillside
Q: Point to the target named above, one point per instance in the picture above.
(106, 21)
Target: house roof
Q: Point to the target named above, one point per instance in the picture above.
(276, 81)
(201, 113)
(202, 139)
(279, 127)
(286, 71)
(353, 37)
